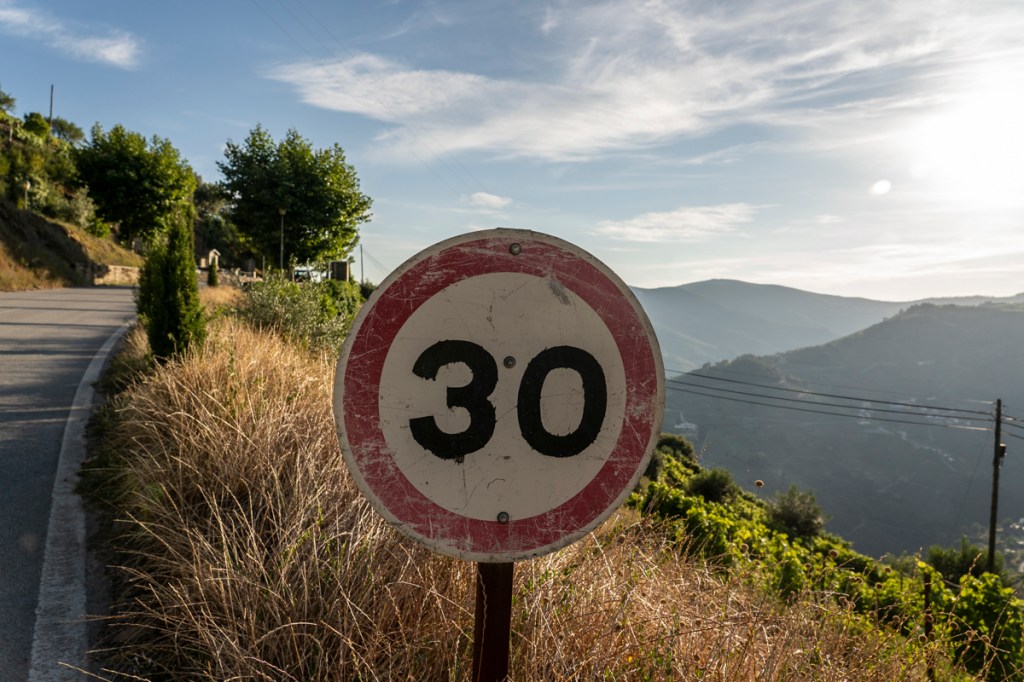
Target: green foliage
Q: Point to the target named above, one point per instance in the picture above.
(6, 102)
(987, 623)
(212, 278)
(168, 295)
(956, 562)
(36, 124)
(317, 189)
(781, 545)
(136, 183)
(67, 131)
(668, 445)
(714, 485)
(796, 513)
(314, 314)
(214, 229)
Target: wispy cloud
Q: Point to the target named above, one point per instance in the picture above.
(486, 201)
(624, 76)
(113, 47)
(686, 224)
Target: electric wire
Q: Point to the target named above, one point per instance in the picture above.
(826, 412)
(936, 408)
(829, 404)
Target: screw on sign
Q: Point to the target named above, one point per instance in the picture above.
(499, 396)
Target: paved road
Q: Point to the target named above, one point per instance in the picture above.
(48, 339)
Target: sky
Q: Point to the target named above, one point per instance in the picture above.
(869, 148)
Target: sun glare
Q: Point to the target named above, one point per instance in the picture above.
(973, 151)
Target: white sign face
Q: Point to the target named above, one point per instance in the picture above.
(499, 395)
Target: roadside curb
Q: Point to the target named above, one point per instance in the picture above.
(60, 637)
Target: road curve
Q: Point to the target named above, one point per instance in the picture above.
(48, 341)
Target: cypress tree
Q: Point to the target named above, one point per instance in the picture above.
(212, 276)
(168, 296)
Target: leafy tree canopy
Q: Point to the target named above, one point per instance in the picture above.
(66, 130)
(6, 102)
(36, 124)
(136, 182)
(317, 188)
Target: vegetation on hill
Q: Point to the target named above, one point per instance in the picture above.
(121, 184)
(38, 252)
(895, 469)
(245, 551)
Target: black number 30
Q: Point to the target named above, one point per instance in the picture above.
(474, 397)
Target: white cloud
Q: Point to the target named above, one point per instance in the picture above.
(486, 201)
(686, 224)
(117, 48)
(627, 76)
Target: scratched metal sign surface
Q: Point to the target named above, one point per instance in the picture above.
(499, 395)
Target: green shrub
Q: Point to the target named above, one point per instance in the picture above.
(987, 623)
(212, 278)
(314, 314)
(796, 513)
(168, 295)
(956, 562)
(714, 485)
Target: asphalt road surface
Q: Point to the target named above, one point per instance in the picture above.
(48, 341)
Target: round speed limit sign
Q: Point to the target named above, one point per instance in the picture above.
(499, 395)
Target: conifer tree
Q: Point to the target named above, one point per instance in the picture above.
(168, 296)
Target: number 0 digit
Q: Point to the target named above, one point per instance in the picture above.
(595, 401)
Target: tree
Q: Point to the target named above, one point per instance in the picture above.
(36, 124)
(796, 513)
(212, 278)
(167, 299)
(137, 183)
(317, 189)
(6, 102)
(213, 229)
(956, 562)
(66, 130)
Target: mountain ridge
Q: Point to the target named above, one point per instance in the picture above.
(704, 322)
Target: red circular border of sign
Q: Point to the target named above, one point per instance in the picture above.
(363, 361)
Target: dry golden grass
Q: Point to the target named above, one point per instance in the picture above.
(223, 296)
(248, 554)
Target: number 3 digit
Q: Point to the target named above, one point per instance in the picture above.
(473, 397)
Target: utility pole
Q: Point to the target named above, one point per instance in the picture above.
(999, 451)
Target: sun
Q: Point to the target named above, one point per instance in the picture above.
(972, 151)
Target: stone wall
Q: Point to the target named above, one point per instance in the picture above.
(121, 275)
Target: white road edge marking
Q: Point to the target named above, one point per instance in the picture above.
(59, 640)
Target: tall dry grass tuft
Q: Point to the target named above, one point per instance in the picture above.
(248, 554)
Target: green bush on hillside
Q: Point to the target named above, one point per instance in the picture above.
(314, 314)
(796, 513)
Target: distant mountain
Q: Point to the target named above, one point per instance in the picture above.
(889, 485)
(721, 319)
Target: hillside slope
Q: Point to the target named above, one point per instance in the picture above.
(36, 252)
(889, 486)
(715, 320)
(721, 319)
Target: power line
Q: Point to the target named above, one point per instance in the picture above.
(825, 404)
(834, 414)
(839, 396)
